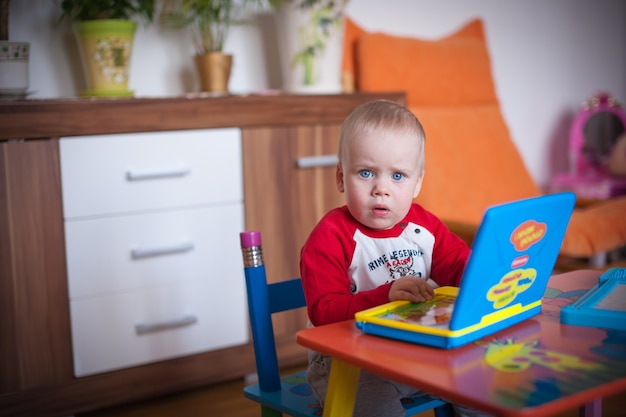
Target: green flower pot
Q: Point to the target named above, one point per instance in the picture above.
(105, 49)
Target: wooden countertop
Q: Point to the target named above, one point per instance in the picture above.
(45, 118)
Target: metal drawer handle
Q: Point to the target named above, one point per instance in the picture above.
(317, 161)
(133, 175)
(163, 250)
(165, 325)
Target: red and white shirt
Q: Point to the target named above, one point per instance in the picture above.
(347, 267)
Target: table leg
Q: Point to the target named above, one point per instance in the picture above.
(591, 409)
(342, 386)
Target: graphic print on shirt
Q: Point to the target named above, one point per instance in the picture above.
(377, 261)
(403, 266)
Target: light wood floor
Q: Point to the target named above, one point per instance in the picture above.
(227, 400)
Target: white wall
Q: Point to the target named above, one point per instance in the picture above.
(548, 56)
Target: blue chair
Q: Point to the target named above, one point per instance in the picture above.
(288, 394)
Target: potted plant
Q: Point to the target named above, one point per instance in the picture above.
(105, 32)
(310, 33)
(13, 59)
(209, 22)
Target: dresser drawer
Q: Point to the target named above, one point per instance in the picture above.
(124, 253)
(140, 327)
(112, 174)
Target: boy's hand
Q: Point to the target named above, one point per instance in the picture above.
(412, 289)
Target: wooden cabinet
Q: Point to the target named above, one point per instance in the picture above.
(280, 199)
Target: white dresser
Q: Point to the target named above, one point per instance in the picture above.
(151, 225)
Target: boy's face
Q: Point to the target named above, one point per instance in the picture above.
(380, 176)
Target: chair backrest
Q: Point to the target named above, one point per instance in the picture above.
(265, 299)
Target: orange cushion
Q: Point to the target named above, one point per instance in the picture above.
(471, 162)
(454, 70)
(596, 228)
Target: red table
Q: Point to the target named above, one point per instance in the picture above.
(536, 368)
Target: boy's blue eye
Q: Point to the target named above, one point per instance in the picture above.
(365, 173)
(397, 176)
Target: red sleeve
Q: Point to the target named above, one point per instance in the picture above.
(324, 264)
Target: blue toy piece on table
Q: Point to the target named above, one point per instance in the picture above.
(603, 306)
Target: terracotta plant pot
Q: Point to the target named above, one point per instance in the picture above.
(105, 48)
(214, 71)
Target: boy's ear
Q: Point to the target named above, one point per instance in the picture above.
(418, 186)
(339, 177)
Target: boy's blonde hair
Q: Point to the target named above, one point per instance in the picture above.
(380, 115)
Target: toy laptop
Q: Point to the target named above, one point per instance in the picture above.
(512, 258)
(603, 306)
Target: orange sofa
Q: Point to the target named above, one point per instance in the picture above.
(471, 160)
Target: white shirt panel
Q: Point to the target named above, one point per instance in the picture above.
(377, 261)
